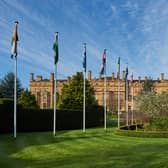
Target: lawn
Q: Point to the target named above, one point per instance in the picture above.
(73, 149)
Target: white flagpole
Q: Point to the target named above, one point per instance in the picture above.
(132, 104)
(55, 99)
(84, 102)
(105, 104)
(118, 101)
(15, 95)
(118, 92)
(84, 94)
(55, 91)
(14, 54)
(127, 102)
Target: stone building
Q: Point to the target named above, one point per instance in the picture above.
(43, 89)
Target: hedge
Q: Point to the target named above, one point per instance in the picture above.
(32, 120)
(6, 101)
(134, 133)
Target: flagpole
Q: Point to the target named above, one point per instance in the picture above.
(84, 94)
(118, 102)
(118, 92)
(105, 104)
(15, 96)
(126, 102)
(132, 104)
(55, 99)
(55, 85)
(84, 103)
(14, 55)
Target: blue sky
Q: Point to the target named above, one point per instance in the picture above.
(135, 30)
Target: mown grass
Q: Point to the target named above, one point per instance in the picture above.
(74, 149)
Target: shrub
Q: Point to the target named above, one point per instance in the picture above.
(6, 100)
(147, 134)
(159, 123)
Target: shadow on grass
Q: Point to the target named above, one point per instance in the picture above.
(93, 149)
(128, 157)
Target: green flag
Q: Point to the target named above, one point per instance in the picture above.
(55, 48)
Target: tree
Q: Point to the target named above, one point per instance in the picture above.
(7, 86)
(153, 104)
(27, 100)
(146, 103)
(148, 85)
(72, 94)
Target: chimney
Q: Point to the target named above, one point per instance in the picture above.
(31, 76)
(113, 76)
(123, 75)
(146, 77)
(139, 78)
(51, 76)
(162, 76)
(89, 75)
(39, 78)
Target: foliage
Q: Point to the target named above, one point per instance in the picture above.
(156, 107)
(7, 86)
(153, 104)
(147, 134)
(148, 85)
(72, 94)
(6, 101)
(146, 103)
(34, 120)
(27, 100)
(159, 123)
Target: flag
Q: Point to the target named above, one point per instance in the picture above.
(131, 80)
(118, 71)
(84, 58)
(126, 73)
(103, 62)
(14, 41)
(55, 48)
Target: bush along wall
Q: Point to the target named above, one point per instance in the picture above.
(32, 120)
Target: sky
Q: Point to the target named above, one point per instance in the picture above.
(134, 30)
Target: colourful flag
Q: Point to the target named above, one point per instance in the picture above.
(103, 63)
(131, 80)
(14, 41)
(84, 58)
(126, 73)
(55, 48)
(118, 71)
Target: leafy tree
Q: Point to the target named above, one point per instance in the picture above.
(148, 85)
(27, 100)
(146, 103)
(154, 105)
(7, 86)
(72, 94)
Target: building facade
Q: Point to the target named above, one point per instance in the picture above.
(43, 89)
